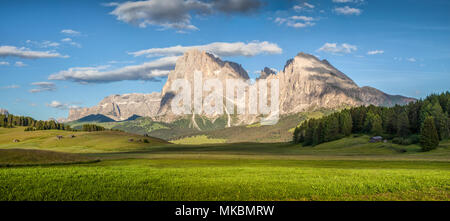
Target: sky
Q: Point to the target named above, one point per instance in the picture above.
(57, 55)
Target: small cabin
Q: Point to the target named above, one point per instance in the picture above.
(376, 139)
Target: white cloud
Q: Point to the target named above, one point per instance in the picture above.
(176, 14)
(411, 59)
(335, 48)
(61, 106)
(218, 48)
(296, 21)
(12, 51)
(375, 52)
(303, 18)
(70, 32)
(20, 64)
(4, 63)
(71, 42)
(13, 86)
(42, 86)
(347, 11)
(303, 6)
(43, 44)
(101, 74)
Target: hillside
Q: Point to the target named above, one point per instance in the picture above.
(83, 142)
(209, 129)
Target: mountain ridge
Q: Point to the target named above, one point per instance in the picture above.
(306, 83)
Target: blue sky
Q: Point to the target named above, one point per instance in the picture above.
(60, 54)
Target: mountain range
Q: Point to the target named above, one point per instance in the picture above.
(306, 83)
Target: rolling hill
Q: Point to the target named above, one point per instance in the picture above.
(82, 142)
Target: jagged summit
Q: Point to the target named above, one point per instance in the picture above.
(121, 107)
(194, 59)
(266, 72)
(210, 66)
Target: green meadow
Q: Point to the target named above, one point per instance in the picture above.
(108, 166)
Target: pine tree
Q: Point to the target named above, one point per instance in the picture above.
(295, 136)
(373, 124)
(331, 128)
(429, 139)
(403, 125)
(377, 128)
(440, 120)
(318, 136)
(345, 123)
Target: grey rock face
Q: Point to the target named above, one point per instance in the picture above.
(266, 72)
(121, 107)
(306, 83)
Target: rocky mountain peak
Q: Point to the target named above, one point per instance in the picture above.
(121, 107)
(210, 66)
(196, 60)
(266, 72)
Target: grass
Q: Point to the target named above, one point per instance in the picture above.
(197, 179)
(346, 169)
(201, 139)
(23, 157)
(83, 142)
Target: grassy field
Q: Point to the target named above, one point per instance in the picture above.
(200, 139)
(346, 169)
(83, 142)
(24, 157)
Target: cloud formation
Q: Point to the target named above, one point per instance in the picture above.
(303, 6)
(43, 44)
(335, 48)
(176, 14)
(13, 86)
(13, 51)
(20, 64)
(296, 21)
(347, 11)
(70, 32)
(374, 52)
(42, 86)
(61, 106)
(71, 42)
(148, 71)
(4, 63)
(221, 49)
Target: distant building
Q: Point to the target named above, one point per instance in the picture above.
(376, 139)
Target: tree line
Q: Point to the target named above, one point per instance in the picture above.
(92, 127)
(10, 121)
(425, 121)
